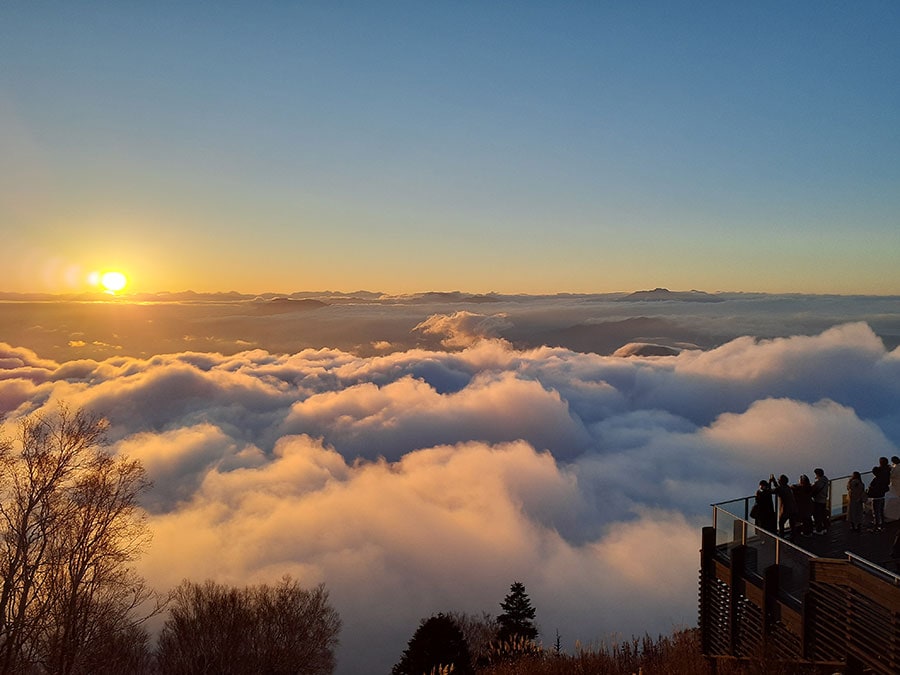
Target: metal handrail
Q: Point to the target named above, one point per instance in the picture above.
(854, 559)
(747, 499)
(779, 540)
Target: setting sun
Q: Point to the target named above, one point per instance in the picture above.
(112, 282)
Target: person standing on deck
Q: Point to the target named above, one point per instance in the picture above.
(803, 498)
(787, 508)
(892, 498)
(764, 517)
(895, 475)
(856, 497)
(820, 501)
(878, 488)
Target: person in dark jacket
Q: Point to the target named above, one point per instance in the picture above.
(878, 487)
(803, 498)
(765, 510)
(787, 508)
(820, 489)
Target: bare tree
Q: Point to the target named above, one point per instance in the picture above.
(278, 630)
(480, 630)
(70, 526)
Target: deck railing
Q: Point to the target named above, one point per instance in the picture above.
(733, 526)
(837, 499)
(872, 568)
(762, 548)
(763, 595)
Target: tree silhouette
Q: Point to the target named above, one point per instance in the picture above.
(437, 643)
(517, 620)
(276, 630)
(70, 526)
(480, 632)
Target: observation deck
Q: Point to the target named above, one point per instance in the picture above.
(830, 599)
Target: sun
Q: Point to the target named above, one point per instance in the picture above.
(111, 281)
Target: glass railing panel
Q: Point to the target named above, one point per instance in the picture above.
(761, 550)
(734, 526)
(741, 506)
(794, 566)
(729, 531)
(737, 507)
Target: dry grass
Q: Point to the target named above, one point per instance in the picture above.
(678, 654)
(675, 655)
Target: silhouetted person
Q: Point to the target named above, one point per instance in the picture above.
(820, 501)
(878, 487)
(787, 508)
(856, 497)
(803, 498)
(765, 509)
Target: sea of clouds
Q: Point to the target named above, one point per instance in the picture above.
(428, 479)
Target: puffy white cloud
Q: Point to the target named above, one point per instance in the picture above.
(22, 359)
(369, 421)
(444, 528)
(463, 328)
(424, 480)
(178, 460)
(789, 436)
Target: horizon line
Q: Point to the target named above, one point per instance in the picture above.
(371, 295)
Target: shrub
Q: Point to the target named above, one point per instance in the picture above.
(278, 630)
(438, 646)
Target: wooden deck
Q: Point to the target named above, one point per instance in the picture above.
(873, 546)
(806, 603)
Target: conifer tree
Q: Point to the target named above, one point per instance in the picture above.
(517, 620)
(437, 644)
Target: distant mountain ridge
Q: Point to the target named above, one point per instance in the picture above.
(331, 297)
(661, 294)
(282, 305)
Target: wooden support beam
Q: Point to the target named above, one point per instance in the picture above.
(707, 577)
(735, 584)
(770, 607)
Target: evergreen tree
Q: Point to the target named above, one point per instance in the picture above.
(438, 642)
(517, 620)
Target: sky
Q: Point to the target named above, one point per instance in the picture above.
(403, 147)
(419, 455)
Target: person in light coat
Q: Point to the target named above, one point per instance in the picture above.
(820, 501)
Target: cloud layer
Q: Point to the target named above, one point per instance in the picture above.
(428, 480)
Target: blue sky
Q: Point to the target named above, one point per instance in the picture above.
(403, 147)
